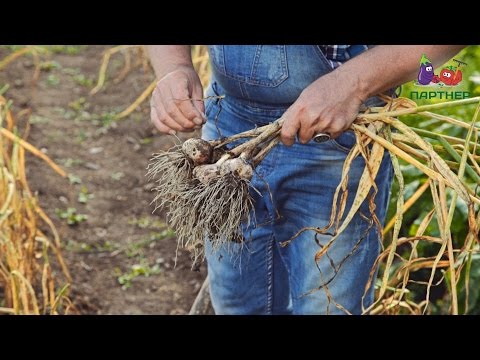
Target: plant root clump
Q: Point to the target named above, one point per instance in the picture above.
(205, 187)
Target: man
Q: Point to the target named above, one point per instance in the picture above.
(317, 89)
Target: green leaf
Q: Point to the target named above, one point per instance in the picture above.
(424, 60)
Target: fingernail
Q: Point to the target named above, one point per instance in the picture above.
(172, 132)
(198, 121)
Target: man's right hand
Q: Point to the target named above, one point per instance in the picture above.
(176, 103)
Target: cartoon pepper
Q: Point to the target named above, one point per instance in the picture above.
(425, 75)
(450, 76)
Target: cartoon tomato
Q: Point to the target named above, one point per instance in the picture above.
(458, 77)
(450, 76)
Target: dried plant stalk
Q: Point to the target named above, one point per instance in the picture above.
(27, 282)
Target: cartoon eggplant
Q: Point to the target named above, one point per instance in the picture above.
(425, 75)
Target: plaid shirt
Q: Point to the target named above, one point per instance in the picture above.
(338, 54)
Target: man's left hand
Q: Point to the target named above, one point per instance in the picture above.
(328, 105)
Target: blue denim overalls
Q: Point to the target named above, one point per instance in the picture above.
(260, 82)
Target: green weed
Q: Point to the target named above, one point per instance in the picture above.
(71, 216)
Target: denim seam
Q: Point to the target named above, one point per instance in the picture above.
(269, 304)
(220, 65)
(340, 147)
(242, 89)
(283, 259)
(258, 51)
(208, 107)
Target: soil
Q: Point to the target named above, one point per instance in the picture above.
(120, 237)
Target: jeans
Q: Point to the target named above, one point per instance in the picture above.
(296, 186)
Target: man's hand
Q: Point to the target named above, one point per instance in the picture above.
(331, 103)
(176, 101)
(328, 105)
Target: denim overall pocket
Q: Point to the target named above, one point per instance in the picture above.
(345, 142)
(262, 65)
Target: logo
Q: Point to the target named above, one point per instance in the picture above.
(448, 76)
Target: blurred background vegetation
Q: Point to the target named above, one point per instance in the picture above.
(414, 179)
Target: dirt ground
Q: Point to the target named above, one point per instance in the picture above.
(120, 242)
